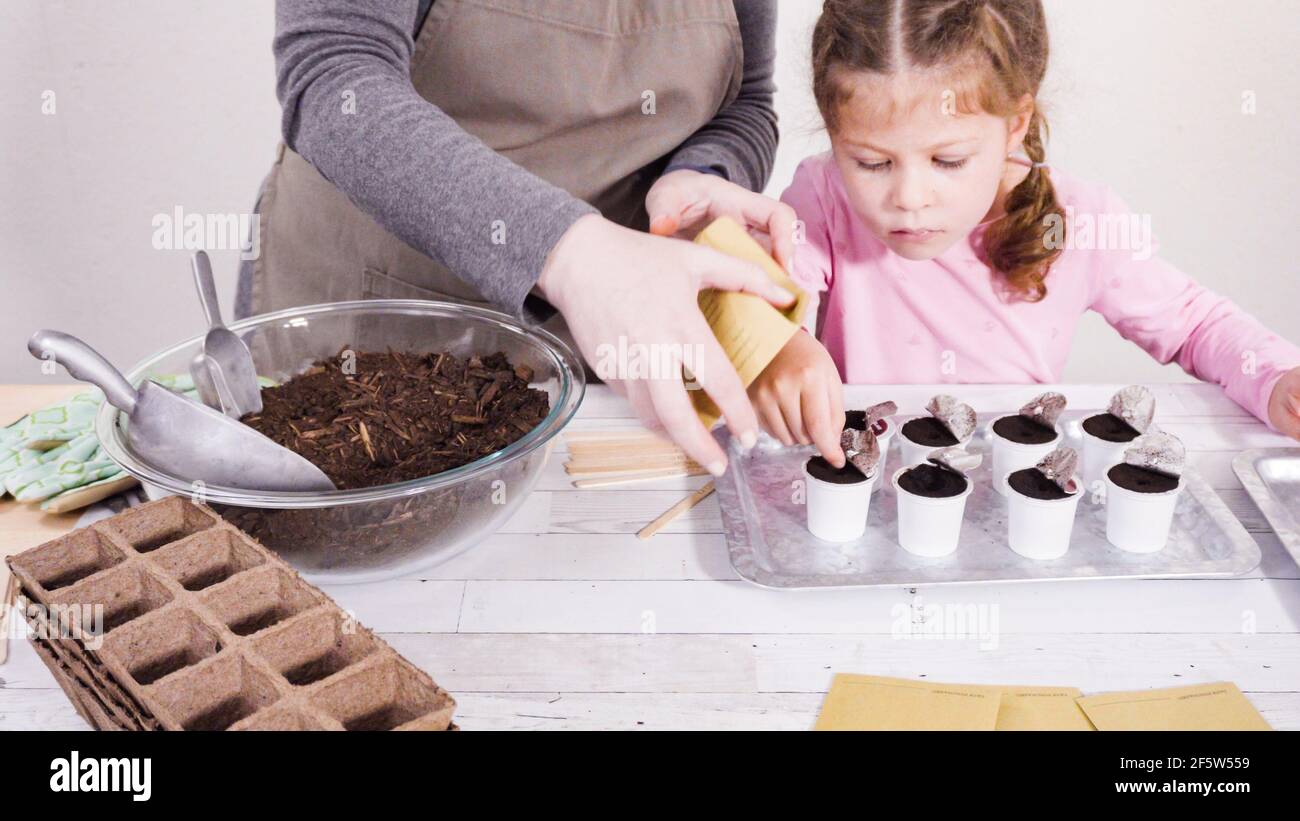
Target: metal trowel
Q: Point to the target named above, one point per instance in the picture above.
(184, 438)
(223, 368)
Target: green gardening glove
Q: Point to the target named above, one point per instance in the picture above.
(33, 471)
(54, 450)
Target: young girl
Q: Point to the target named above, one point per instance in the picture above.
(946, 248)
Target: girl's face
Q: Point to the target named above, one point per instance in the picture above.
(924, 178)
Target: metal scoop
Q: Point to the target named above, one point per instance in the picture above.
(223, 368)
(181, 437)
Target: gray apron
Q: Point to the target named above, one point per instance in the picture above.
(553, 85)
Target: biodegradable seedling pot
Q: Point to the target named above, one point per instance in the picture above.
(837, 512)
(1039, 528)
(201, 627)
(1010, 456)
(929, 526)
(1139, 522)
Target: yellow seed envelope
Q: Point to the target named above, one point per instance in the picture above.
(1217, 706)
(879, 703)
(749, 329)
(1041, 708)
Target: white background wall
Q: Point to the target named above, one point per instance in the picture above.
(162, 104)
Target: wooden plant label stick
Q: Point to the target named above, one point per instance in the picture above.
(637, 435)
(625, 465)
(590, 448)
(675, 511)
(651, 475)
(625, 455)
(11, 593)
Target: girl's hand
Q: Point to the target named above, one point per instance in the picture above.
(1284, 404)
(683, 202)
(799, 397)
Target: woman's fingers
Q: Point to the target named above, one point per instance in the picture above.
(778, 220)
(664, 225)
(718, 378)
(675, 203)
(676, 413)
(718, 270)
(638, 396)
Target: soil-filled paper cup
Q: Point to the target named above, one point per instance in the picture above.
(914, 453)
(1098, 456)
(1009, 456)
(1139, 522)
(837, 512)
(928, 526)
(1039, 528)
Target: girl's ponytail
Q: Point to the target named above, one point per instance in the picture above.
(1016, 245)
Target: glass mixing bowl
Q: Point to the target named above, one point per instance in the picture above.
(345, 536)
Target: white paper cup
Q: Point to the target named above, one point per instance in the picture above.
(1139, 522)
(1098, 456)
(836, 512)
(926, 526)
(884, 439)
(914, 453)
(1039, 528)
(1009, 456)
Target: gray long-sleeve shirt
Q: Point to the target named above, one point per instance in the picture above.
(423, 178)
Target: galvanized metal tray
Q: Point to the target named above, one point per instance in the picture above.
(1272, 478)
(770, 544)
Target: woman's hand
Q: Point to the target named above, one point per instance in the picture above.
(799, 397)
(1284, 404)
(683, 202)
(630, 295)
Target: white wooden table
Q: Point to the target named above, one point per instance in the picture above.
(565, 620)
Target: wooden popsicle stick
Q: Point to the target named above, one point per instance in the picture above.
(614, 457)
(11, 594)
(591, 449)
(631, 434)
(605, 468)
(605, 459)
(667, 473)
(675, 511)
(632, 460)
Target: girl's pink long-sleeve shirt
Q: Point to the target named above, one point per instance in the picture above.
(889, 320)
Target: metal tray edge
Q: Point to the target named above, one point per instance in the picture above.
(1283, 523)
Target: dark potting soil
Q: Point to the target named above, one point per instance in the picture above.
(1110, 427)
(932, 481)
(1032, 483)
(1020, 429)
(1141, 480)
(928, 431)
(821, 469)
(390, 417)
